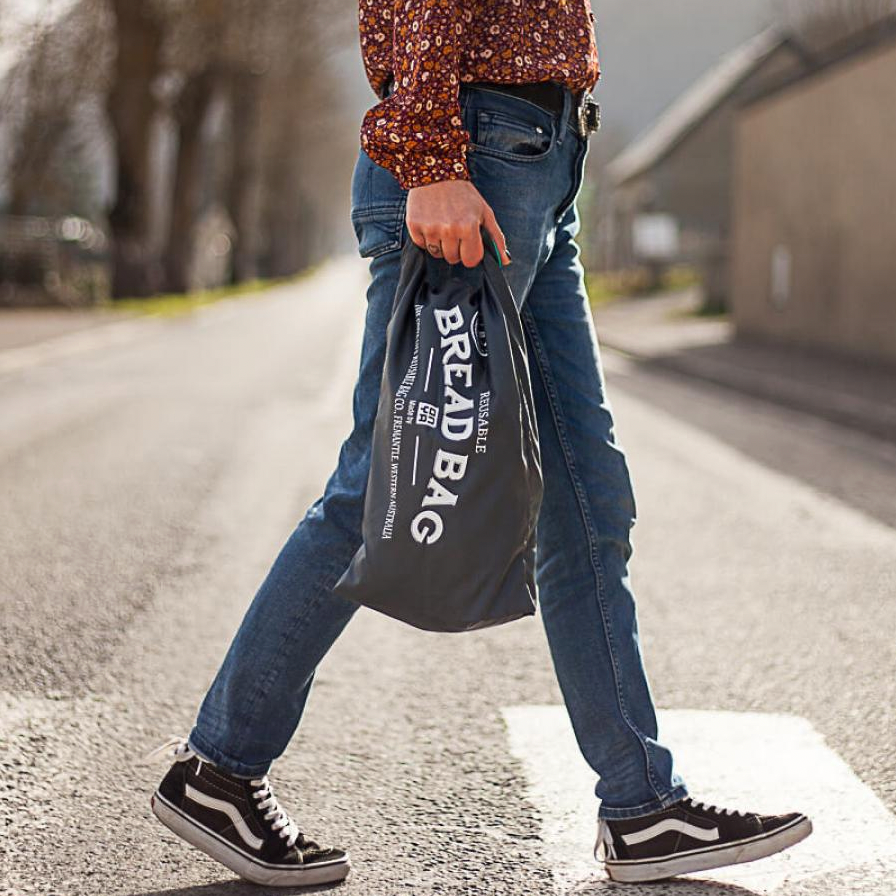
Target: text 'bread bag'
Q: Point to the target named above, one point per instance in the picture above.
(455, 481)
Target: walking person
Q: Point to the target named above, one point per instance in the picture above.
(484, 120)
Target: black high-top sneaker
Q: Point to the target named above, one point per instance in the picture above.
(239, 823)
(690, 836)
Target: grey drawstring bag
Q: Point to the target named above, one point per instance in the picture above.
(455, 483)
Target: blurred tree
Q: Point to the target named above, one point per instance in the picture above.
(131, 106)
(251, 49)
(267, 62)
(195, 53)
(309, 134)
(214, 109)
(189, 114)
(244, 89)
(39, 102)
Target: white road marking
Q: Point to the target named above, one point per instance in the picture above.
(71, 344)
(755, 761)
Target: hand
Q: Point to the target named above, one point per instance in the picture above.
(444, 219)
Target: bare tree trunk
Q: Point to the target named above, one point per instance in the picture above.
(21, 194)
(30, 156)
(244, 186)
(288, 215)
(132, 108)
(190, 114)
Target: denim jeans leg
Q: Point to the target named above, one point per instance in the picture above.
(583, 546)
(256, 700)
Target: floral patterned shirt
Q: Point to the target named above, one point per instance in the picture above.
(431, 46)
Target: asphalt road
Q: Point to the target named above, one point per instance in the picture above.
(149, 476)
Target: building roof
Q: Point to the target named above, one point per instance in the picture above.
(693, 106)
(880, 34)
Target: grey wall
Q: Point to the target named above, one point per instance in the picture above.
(815, 172)
(693, 182)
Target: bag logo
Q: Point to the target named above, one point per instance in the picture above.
(457, 424)
(427, 414)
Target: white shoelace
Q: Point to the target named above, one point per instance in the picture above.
(178, 749)
(174, 748)
(282, 822)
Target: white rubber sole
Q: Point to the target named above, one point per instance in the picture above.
(239, 862)
(640, 871)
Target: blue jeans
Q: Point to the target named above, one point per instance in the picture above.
(528, 164)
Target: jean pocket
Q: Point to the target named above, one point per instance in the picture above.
(516, 137)
(378, 208)
(379, 229)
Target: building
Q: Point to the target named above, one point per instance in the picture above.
(671, 188)
(814, 242)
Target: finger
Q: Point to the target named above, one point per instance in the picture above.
(451, 249)
(417, 236)
(490, 223)
(431, 241)
(471, 248)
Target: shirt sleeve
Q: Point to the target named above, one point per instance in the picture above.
(417, 131)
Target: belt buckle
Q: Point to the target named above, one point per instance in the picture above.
(587, 114)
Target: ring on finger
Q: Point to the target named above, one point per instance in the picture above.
(434, 248)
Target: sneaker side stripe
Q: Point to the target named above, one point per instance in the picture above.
(228, 809)
(721, 847)
(671, 824)
(232, 846)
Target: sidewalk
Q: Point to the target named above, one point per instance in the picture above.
(663, 332)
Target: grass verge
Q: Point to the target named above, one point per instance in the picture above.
(176, 304)
(607, 286)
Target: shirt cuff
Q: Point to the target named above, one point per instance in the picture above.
(413, 169)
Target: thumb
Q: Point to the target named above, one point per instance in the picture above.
(490, 223)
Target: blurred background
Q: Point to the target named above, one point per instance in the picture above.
(157, 147)
(171, 145)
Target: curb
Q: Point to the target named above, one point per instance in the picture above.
(873, 418)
